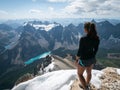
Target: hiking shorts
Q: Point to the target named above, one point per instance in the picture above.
(87, 63)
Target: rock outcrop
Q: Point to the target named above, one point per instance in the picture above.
(110, 80)
(24, 78)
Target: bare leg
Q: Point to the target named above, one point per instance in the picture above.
(80, 71)
(89, 75)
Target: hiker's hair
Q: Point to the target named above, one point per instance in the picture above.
(91, 29)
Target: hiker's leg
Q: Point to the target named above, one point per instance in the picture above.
(80, 71)
(89, 75)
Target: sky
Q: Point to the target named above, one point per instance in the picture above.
(44, 9)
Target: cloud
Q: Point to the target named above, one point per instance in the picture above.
(59, 0)
(51, 8)
(35, 11)
(3, 12)
(93, 7)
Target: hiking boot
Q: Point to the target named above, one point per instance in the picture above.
(81, 86)
(87, 87)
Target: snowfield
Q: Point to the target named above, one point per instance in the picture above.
(57, 80)
(45, 27)
(118, 71)
(42, 26)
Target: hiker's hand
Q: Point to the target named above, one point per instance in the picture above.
(77, 58)
(76, 63)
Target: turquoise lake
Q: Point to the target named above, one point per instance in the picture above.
(37, 58)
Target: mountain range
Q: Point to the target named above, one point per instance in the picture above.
(36, 37)
(33, 38)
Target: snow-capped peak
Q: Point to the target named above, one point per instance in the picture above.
(42, 26)
(113, 38)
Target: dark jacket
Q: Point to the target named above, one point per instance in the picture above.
(88, 47)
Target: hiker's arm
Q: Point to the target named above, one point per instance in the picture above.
(96, 47)
(80, 49)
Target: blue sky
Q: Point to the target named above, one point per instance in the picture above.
(43, 9)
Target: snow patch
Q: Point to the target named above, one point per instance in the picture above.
(96, 78)
(25, 23)
(78, 36)
(114, 39)
(57, 80)
(118, 71)
(45, 27)
(50, 67)
(42, 26)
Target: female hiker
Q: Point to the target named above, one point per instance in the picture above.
(85, 58)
